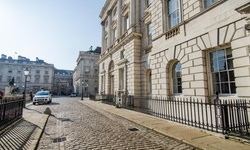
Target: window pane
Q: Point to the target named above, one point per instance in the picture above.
(212, 55)
(215, 77)
(179, 81)
(233, 88)
(220, 54)
(223, 76)
(179, 89)
(213, 66)
(229, 53)
(216, 87)
(149, 32)
(178, 74)
(176, 78)
(231, 76)
(173, 12)
(224, 88)
(208, 3)
(222, 65)
(222, 72)
(230, 64)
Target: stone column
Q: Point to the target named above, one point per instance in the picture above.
(109, 13)
(125, 79)
(119, 19)
(137, 19)
(103, 38)
(132, 14)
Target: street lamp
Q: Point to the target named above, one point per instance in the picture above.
(84, 84)
(26, 73)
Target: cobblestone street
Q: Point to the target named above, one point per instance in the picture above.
(74, 125)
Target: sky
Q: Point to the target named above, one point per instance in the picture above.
(52, 30)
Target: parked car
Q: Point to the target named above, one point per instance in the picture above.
(42, 97)
(73, 95)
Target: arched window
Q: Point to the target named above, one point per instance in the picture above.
(176, 78)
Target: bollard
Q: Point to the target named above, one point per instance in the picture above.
(118, 103)
(47, 111)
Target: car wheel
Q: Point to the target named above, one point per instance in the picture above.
(34, 103)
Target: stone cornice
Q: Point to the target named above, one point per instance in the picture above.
(147, 17)
(245, 9)
(123, 61)
(105, 8)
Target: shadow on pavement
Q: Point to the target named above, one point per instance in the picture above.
(18, 136)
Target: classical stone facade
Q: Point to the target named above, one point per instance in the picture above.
(40, 76)
(121, 48)
(165, 48)
(63, 82)
(85, 74)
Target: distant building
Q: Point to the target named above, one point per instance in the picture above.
(41, 73)
(63, 82)
(85, 75)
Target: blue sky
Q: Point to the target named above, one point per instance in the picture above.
(52, 30)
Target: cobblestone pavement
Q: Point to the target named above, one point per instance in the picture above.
(75, 126)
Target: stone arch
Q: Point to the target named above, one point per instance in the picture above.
(169, 76)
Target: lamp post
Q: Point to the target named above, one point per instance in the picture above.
(82, 91)
(26, 73)
(84, 84)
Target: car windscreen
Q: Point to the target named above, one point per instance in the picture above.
(42, 93)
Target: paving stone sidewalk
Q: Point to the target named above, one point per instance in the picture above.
(25, 133)
(193, 136)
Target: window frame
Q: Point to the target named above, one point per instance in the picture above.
(166, 24)
(169, 14)
(227, 70)
(126, 23)
(122, 54)
(149, 35)
(204, 2)
(173, 67)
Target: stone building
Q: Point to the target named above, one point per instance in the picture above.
(63, 82)
(189, 48)
(40, 76)
(85, 74)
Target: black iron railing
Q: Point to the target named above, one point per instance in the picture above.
(222, 116)
(10, 111)
(108, 98)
